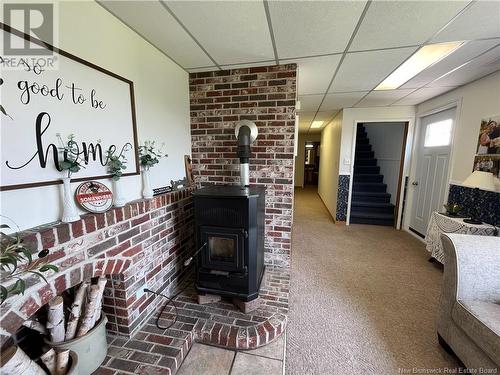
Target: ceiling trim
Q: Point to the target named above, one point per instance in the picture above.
(353, 35)
(166, 7)
(271, 31)
(142, 36)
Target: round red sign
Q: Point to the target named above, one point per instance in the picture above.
(94, 196)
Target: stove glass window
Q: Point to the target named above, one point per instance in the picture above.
(221, 248)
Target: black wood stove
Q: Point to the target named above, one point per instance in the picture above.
(230, 231)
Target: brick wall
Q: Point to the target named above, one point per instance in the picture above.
(139, 245)
(266, 96)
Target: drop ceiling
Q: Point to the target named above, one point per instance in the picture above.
(343, 49)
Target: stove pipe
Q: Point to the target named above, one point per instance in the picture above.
(246, 132)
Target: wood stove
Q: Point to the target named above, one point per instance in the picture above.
(229, 224)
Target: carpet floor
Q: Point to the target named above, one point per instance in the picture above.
(363, 298)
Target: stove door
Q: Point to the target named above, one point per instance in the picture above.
(225, 249)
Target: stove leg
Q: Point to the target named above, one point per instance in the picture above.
(208, 298)
(247, 306)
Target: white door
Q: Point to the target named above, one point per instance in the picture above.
(433, 156)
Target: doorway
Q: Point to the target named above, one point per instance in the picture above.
(431, 179)
(378, 172)
(311, 163)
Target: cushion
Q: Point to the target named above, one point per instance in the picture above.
(481, 322)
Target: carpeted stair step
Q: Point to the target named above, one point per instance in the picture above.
(359, 162)
(366, 169)
(364, 148)
(371, 196)
(364, 155)
(370, 186)
(374, 207)
(372, 219)
(368, 177)
(362, 141)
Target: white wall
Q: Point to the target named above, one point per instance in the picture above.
(386, 139)
(477, 100)
(329, 163)
(161, 98)
(301, 154)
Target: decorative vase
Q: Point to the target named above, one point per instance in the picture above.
(147, 192)
(70, 212)
(119, 199)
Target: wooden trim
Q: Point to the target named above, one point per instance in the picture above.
(61, 52)
(401, 171)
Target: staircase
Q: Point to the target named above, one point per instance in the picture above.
(370, 202)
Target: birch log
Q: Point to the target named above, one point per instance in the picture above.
(55, 320)
(36, 326)
(16, 362)
(62, 362)
(101, 283)
(86, 323)
(76, 310)
(49, 360)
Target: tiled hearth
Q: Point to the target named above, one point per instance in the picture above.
(158, 351)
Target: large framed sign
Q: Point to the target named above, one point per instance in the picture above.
(42, 106)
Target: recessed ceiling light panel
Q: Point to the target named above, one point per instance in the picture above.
(317, 124)
(422, 59)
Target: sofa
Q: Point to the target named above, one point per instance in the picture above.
(469, 309)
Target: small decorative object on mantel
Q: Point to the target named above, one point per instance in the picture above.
(179, 184)
(189, 170)
(149, 155)
(452, 209)
(94, 196)
(16, 260)
(69, 165)
(116, 165)
(162, 190)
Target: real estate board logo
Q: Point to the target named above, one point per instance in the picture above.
(33, 19)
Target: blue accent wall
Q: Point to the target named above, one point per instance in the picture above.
(488, 204)
(342, 197)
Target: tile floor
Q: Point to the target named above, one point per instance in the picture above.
(211, 360)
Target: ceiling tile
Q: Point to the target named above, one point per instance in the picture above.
(310, 103)
(325, 116)
(233, 32)
(477, 68)
(365, 70)
(383, 98)
(157, 26)
(305, 28)
(341, 100)
(481, 20)
(421, 95)
(403, 23)
(315, 73)
(465, 53)
(203, 69)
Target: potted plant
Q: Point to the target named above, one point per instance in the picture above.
(116, 166)
(149, 156)
(69, 165)
(16, 261)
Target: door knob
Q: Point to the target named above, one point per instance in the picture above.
(415, 183)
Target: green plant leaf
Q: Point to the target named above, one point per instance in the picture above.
(4, 226)
(39, 275)
(4, 293)
(47, 267)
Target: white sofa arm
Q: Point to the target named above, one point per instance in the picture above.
(477, 260)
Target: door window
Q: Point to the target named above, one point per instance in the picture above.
(438, 133)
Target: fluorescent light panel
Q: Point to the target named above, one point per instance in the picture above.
(422, 59)
(317, 124)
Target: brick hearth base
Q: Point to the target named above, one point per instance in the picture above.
(156, 351)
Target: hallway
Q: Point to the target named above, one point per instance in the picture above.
(363, 298)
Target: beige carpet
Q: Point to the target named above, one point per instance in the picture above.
(363, 298)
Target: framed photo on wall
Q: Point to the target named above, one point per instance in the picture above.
(489, 136)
